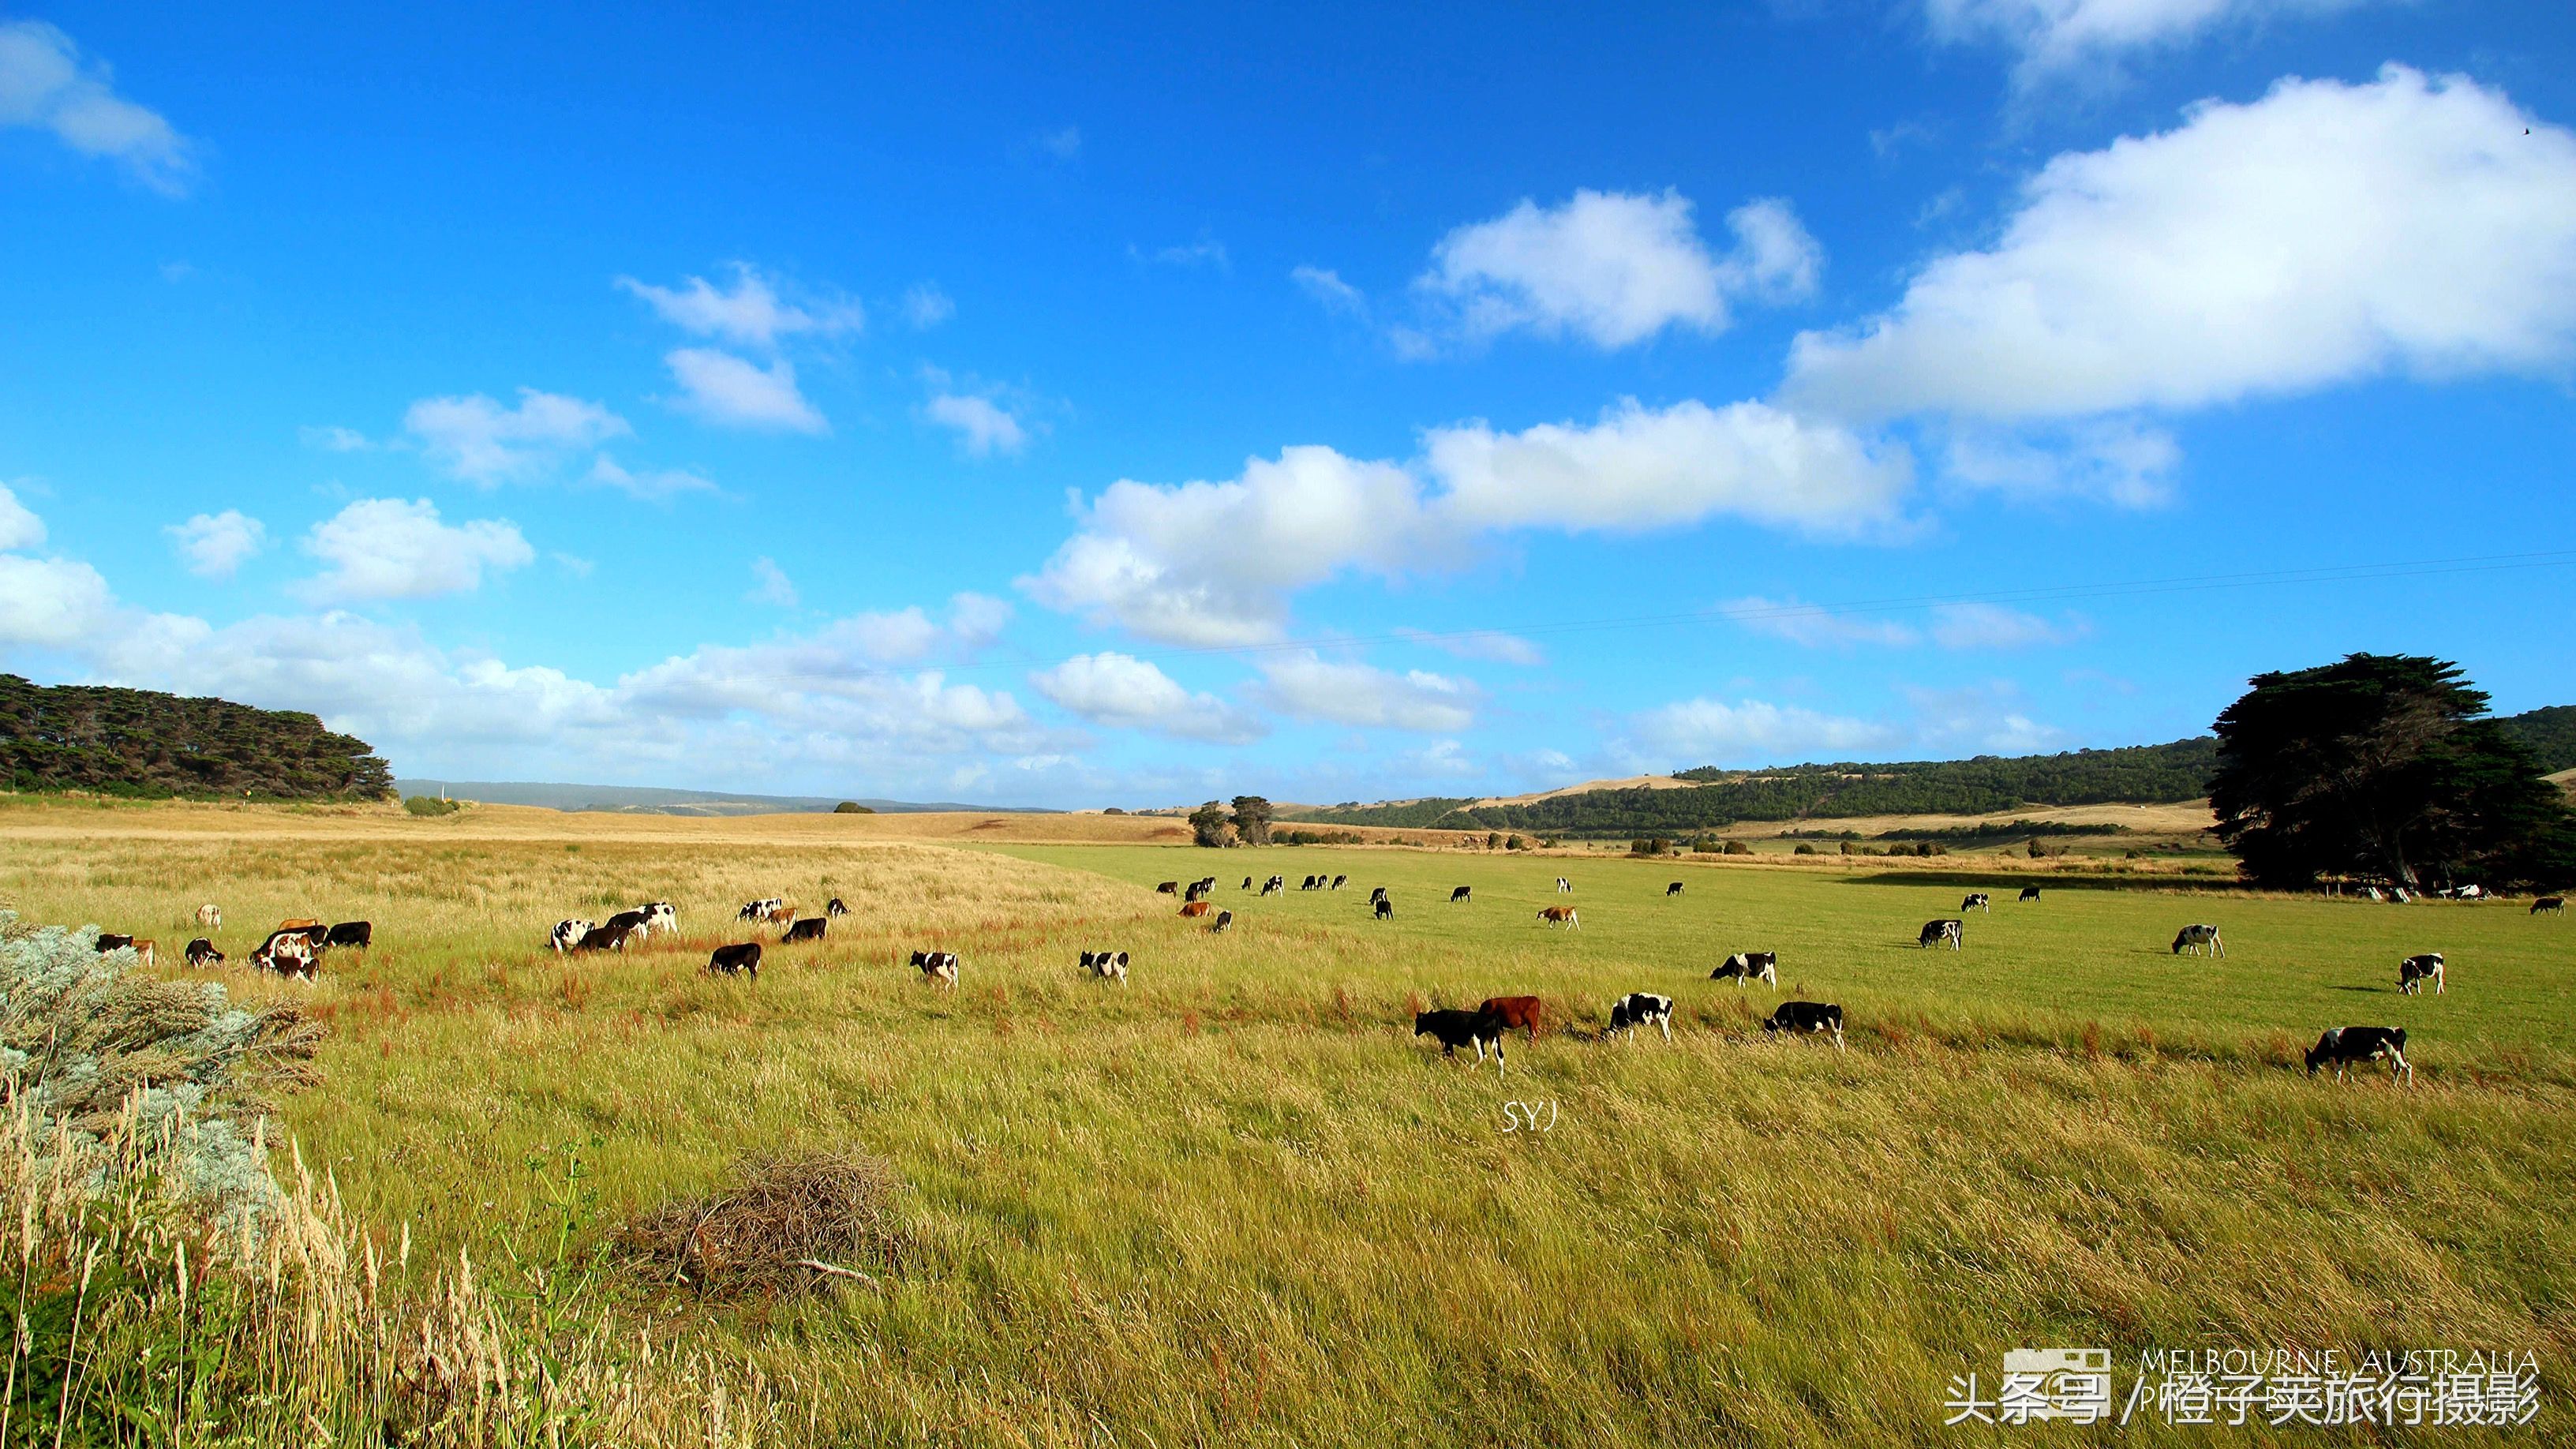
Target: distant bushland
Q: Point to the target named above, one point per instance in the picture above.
(146, 745)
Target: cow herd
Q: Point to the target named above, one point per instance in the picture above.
(294, 950)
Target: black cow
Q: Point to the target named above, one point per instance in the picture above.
(1384, 909)
(1458, 894)
(1454, 1029)
(1247, 882)
(937, 966)
(1641, 1008)
(1376, 894)
(1223, 920)
(2414, 971)
(1809, 1017)
(2342, 1046)
(202, 952)
(833, 908)
(1310, 882)
(638, 921)
(1340, 881)
(744, 958)
(2030, 893)
(1673, 890)
(2554, 905)
(1197, 891)
(1936, 932)
(606, 938)
(1977, 901)
(1746, 967)
(1168, 888)
(107, 943)
(808, 929)
(357, 934)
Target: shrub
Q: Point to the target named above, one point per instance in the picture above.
(1113, 810)
(1738, 847)
(423, 805)
(852, 807)
(1803, 849)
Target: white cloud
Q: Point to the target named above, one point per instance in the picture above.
(47, 85)
(652, 485)
(1063, 143)
(1205, 252)
(722, 388)
(477, 439)
(1812, 626)
(385, 548)
(1752, 731)
(1491, 645)
(983, 427)
(1305, 684)
(925, 306)
(2055, 36)
(749, 314)
(771, 584)
(51, 603)
(215, 546)
(1982, 719)
(1124, 692)
(1326, 286)
(1992, 626)
(334, 439)
(2119, 460)
(19, 527)
(2322, 234)
(1615, 267)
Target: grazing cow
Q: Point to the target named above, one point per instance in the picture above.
(833, 909)
(744, 958)
(937, 966)
(1247, 883)
(1810, 1017)
(1107, 965)
(567, 935)
(1340, 881)
(2198, 939)
(202, 952)
(1384, 910)
(2341, 1046)
(211, 914)
(289, 954)
(1276, 885)
(1168, 888)
(1560, 916)
(1454, 1029)
(611, 937)
(2554, 905)
(107, 943)
(1197, 891)
(1223, 920)
(660, 919)
(1936, 932)
(1977, 901)
(1309, 883)
(1206, 883)
(1673, 890)
(781, 915)
(759, 910)
(2030, 893)
(1521, 1013)
(2414, 971)
(629, 921)
(1458, 894)
(1376, 894)
(299, 923)
(1564, 887)
(1747, 967)
(147, 950)
(1195, 909)
(1641, 1008)
(357, 934)
(808, 929)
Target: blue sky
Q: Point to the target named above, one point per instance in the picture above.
(1128, 407)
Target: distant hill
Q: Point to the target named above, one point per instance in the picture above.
(2550, 735)
(644, 800)
(144, 744)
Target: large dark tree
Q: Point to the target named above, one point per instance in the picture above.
(1252, 819)
(2382, 764)
(1208, 826)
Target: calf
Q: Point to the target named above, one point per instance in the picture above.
(1454, 1029)
(1223, 920)
(1641, 1008)
(780, 914)
(202, 952)
(357, 934)
(1384, 910)
(1107, 965)
(2030, 893)
(1521, 1013)
(1673, 890)
(211, 914)
(2198, 939)
(1458, 894)
(2342, 1046)
(1977, 901)
(833, 909)
(2554, 905)
(1195, 910)
(1168, 888)
(1564, 887)
(1936, 932)
(744, 958)
(808, 929)
(611, 937)
(2414, 971)
(937, 966)
(1560, 916)
(1810, 1017)
(1747, 967)
(567, 935)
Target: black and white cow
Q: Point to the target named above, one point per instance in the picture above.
(1223, 920)
(1277, 885)
(211, 915)
(1564, 887)
(2342, 1046)
(567, 935)
(357, 935)
(937, 966)
(1196, 891)
(1340, 881)
(1810, 1017)
(288, 953)
(1384, 909)
(2551, 905)
(1107, 965)
(1935, 933)
(1641, 1008)
(2414, 971)
(1977, 901)
(833, 909)
(1454, 1029)
(659, 918)
(1376, 894)
(1459, 893)
(744, 958)
(611, 937)
(808, 929)
(1673, 890)
(202, 952)
(2030, 893)
(1747, 967)
(2199, 939)
(761, 910)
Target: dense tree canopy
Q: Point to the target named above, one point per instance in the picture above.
(137, 742)
(1252, 819)
(2382, 765)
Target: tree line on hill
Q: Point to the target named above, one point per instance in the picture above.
(147, 745)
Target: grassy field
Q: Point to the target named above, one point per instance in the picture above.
(1235, 1202)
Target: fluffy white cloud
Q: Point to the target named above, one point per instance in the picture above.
(2324, 233)
(925, 306)
(750, 313)
(477, 439)
(653, 484)
(722, 388)
(1326, 286)
(2115, 459)
(386, 548)
(1615, 267)
(1124, 692)
(216, 545)
(46, 84)
(770, 584)
(1752, 731)
(983, 426)
(2058, 35)
(51, 603)
(19, 527)
(1306, 684)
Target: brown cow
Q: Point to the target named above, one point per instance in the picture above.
(144, 948)
(1195, 909)
(300, 923)
(1519, 1011)
(1560, 916)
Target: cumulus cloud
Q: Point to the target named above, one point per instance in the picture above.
(1305, 684)
(51, 603)
(386, 548)
(47, 85)
(750, 313)
(1326, 286)
(2322, 234)
(216, 545)
(983, 426)
(480, 441)
(2056, 36)
(19, 526)
(1616, 268)
(1124, 692)
(724, 389)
